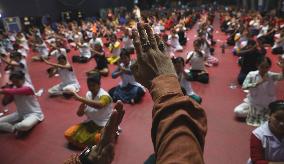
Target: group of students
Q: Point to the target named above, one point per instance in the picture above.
(251, 33)
(94, 40)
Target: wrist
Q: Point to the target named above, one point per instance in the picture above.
(165, 85)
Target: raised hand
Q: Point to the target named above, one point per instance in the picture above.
(103, 153)
(151, 58)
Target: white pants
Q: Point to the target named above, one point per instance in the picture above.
(13, 122)
(242, 110)
(60, 88)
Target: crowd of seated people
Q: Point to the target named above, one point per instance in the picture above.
(110, 41)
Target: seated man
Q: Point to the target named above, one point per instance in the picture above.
(97, 108)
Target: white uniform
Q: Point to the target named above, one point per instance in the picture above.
(273, 147)
(58, 52)
(129, 79)
(259, 97)
(23, 51)
(85, 51)
(100, 117)
(196, 61)
(97, 40)
(69, 83)
(43, 50)
(24, 43)
(263, 31)
(28, 113)
(175, 43)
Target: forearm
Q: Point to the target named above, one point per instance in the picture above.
(18, 91)
(116, 73)
(58, 65)
(91, 103)
(179, 125)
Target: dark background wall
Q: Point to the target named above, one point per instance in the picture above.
(54, 7)
(88, 7)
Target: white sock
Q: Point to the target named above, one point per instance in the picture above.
(6, 127)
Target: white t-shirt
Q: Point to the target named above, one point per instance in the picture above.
(273, 147)
(43, 50)
(128, 79)
(196, 61)
(67, 76)
(97, 40)
(28, 105)
(85, 50)
(100, 117)
(58, 52)
(262, 95)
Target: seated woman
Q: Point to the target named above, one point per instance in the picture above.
(208, 50)
(262, 91)
(96, 106)
(67, 75)
(17, 62)
(85, 53)
(127, 41)
(196, 59)
(28, 112)
(128, 91)
(183, 79)
(99, 56)
(42, 49)
(266, 142)
(174, 40)
(114, 48)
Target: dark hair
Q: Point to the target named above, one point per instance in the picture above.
(276, 106)
(60, 57)
(17, 74)
(178, 60)
(94, 78)
(124, 52)
(16, 54)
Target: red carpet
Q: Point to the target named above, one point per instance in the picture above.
(227, 140)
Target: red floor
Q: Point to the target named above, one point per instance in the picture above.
(227, 140)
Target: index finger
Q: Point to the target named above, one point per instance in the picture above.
(151, 37)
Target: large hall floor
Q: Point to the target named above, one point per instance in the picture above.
(227, 141)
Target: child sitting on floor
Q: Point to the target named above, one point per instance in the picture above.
(266, 143)
(114, 47)
(42, 49)
(85, 53)
(183, 79)
(128, 91)
(67, 75)
(197, 58)
(97, 107)
(17, 62)
(28, 109)
(262, 91)
(99, 56)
